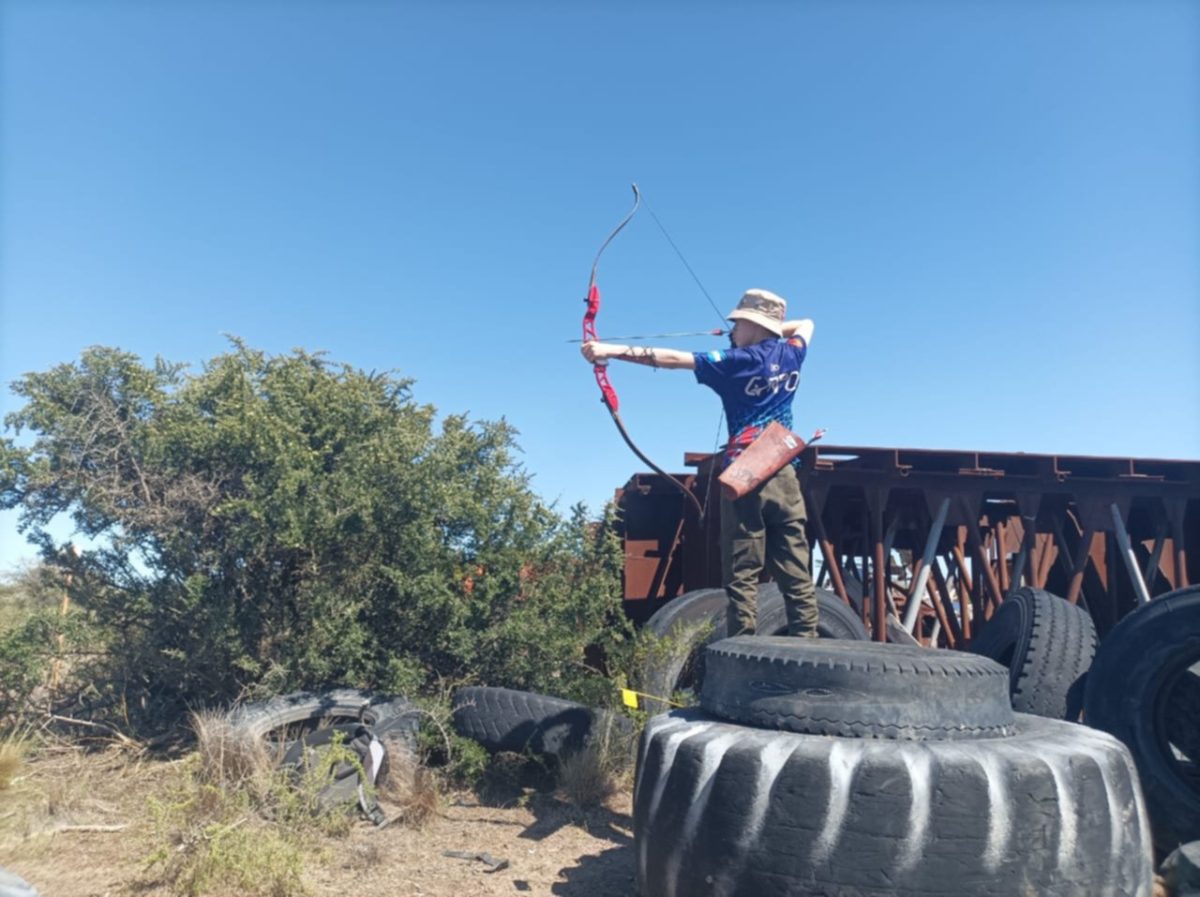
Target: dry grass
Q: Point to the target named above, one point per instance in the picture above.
(59, 787)
(221, 820)
(227, 757)
(230, 821)
(410, 794)
(13, 750)
(589, 777)
(584, 779)
(240, 852)
(234, 822)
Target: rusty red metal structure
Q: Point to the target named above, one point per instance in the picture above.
(927, 543)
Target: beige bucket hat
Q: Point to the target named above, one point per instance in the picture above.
(762, 307)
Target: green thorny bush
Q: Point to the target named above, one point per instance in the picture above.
(276, 522)
(37, 641)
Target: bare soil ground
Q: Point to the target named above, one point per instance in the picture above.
(75, 824)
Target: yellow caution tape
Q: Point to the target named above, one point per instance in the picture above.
(629, 698)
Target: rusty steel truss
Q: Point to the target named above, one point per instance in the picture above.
(926, 544)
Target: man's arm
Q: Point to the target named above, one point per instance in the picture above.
(802, 328)
(672, 359)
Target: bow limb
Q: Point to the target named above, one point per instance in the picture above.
(645, 460)
(607, 392)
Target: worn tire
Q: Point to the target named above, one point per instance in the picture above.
(1144, 688)
(12, 885)
(730, 811)
(696, 619)
(1048, 645)
(504, 719)
(689, 609)
(835, 618)
(856, 689)
(393, 718)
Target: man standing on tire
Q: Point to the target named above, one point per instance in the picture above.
(756, 379)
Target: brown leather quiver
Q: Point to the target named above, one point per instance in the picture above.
(762, 459)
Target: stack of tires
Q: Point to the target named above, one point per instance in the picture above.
(1141, 685)
(834, 768)
(695, 619)
(840, 766)
(1144, 688)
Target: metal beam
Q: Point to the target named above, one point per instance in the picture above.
(1131, 564)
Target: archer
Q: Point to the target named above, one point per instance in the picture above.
(756, 379)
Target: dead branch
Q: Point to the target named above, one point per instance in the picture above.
(63, 828)
(91, 724)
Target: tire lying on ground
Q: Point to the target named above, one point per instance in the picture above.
(856, 689)
(1144, 688)
(394, 719)
(723, 809)
(289, 722)
(687, 623)
(505, 719)
(1048, 645)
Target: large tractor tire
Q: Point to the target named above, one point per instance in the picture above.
(1144, 688)
(726, 810)
(1048, 645)
(856, 689)
(688, 623)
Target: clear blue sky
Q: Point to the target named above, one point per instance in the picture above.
(990, 209)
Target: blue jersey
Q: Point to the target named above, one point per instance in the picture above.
(756, 384)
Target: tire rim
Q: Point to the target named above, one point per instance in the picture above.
(1176, 716)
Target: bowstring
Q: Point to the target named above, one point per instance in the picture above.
(679, 253)
(721, 417)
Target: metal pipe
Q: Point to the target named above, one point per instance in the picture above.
(960, 624)
(890, 537)
(880, 618)
(991, 586)
(1160, 542)
(1181, 572)
(864, 573)
(888, 540)
(1049, 555)
(1001, 558)
(942, 623)
(1131, 564)
(1028, 535)
(1018, 569)
(1079, 564)
(835, 571)
(967, 596)
(917, 594)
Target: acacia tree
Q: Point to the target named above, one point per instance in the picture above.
(283, 521)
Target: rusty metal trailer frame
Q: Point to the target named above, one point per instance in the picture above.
(929, 542)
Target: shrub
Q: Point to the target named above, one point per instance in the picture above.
(279, 522)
